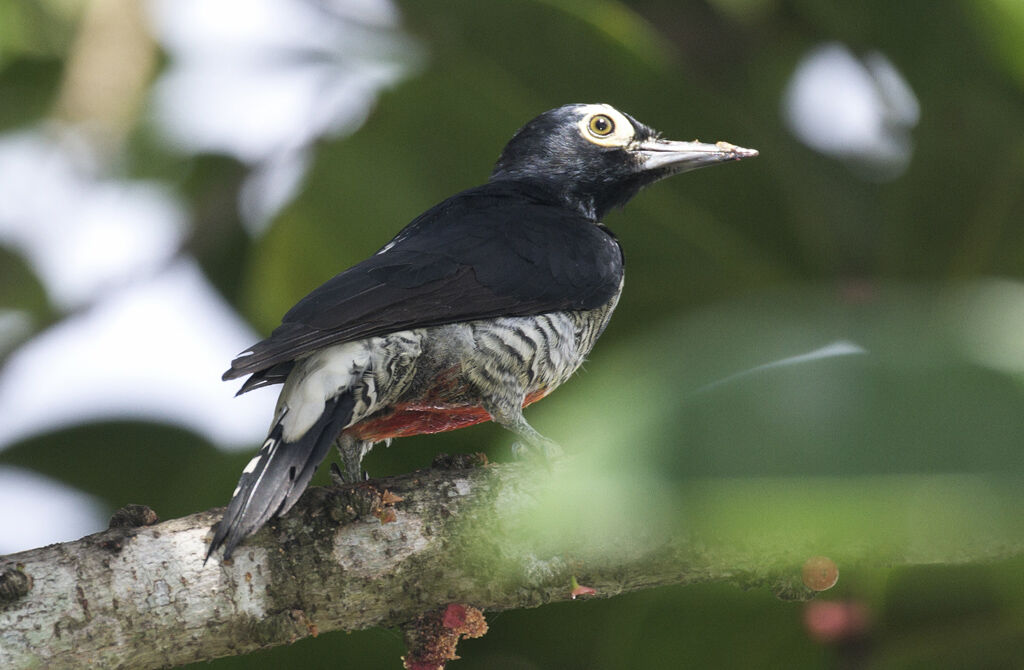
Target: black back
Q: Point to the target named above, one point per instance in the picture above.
(502, 249)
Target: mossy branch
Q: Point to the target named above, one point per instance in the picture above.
(382, 553)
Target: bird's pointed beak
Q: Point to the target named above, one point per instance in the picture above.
(678, 157)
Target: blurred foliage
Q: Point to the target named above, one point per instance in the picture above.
(124, 461)
(32, 82)
(22, 291)
(729, 269)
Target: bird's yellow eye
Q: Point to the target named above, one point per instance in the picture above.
(605, 126)
(601, 125)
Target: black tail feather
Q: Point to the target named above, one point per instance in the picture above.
(277, 476)
(276, 374)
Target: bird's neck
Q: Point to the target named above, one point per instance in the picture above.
(559, 193)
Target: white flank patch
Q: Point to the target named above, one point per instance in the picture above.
(324, 375)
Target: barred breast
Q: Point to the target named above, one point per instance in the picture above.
(535, 352)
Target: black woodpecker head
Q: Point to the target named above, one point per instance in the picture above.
(594, 157)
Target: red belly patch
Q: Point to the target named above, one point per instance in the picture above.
(421, 418)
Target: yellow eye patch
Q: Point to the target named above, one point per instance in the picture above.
(605, 126)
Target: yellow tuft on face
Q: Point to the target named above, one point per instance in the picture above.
(605, 126)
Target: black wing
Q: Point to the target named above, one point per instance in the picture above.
(487, 252)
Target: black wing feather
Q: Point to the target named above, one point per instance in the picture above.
(491, 251)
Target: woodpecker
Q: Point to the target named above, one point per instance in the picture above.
(482, 305)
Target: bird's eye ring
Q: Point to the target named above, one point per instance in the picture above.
(601, 125)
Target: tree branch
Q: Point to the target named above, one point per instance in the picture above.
(375, 554)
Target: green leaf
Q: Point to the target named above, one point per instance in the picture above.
(27, 87)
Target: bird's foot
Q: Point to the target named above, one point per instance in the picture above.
(519, 450)
(342, 477)
(543, 449)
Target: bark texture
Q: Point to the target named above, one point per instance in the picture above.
(380, 553)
